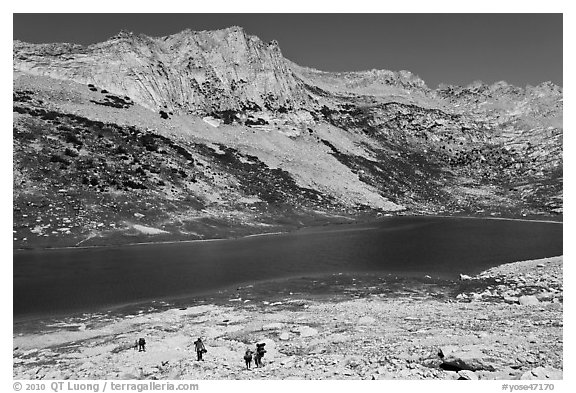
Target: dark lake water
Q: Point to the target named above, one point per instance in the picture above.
(50, 282)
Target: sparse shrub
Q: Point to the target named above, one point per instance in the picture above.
(183, 152)
(70, 153)
(326, 112)
(114, 102)
(21, 96)
(134, 185)
(57, 158)
(258, 122)
(149, 142)
(151, 147)
(121, 150)
(228, 116)
(50, 115)
(18, 109)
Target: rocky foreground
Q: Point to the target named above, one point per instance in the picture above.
(506, 323)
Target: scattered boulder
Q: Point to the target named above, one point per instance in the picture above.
(432, 362)
(510, 299)
(476, 297)
(545, 296)
(352, 361)
(468, 375)
(471, 359)
(465, 277)
(451, 375)
(284, 336)
(528, 300)
(542, 373)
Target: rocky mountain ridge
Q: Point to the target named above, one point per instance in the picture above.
(196, 65)
(214, 133)
(189, 72)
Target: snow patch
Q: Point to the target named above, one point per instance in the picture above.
(212, 121)
(148, 230)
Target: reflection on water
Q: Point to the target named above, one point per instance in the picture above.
(65, 281)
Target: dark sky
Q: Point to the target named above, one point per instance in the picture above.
(452, 48)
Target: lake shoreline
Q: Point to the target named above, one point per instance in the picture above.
(71, 280)
(354, 221)
(487, 326)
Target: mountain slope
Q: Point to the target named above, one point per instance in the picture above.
(216, 134)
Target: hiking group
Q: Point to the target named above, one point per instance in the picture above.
(260, 351)
(200, 349)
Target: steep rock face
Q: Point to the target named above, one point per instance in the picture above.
(192, 72)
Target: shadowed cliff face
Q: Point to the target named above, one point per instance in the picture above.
(215, 133)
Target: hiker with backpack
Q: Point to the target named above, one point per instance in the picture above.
(200, 348)
(260, 351)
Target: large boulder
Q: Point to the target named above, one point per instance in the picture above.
(471, 358)
(529, 300)
(468, 375)
(284, 336)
